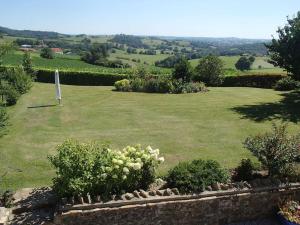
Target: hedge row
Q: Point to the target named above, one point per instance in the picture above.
(258, 81)
(79, 78)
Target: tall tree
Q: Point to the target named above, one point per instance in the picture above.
(183, 70)
(285, 51)
(244, 63)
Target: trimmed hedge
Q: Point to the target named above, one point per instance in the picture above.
(79, 78)
(257, 80)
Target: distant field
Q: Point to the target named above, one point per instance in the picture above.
(184, 127)
(230, 61)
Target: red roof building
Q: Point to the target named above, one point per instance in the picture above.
(57, 50)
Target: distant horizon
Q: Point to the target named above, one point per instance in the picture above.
(140, 35)
(191, 18)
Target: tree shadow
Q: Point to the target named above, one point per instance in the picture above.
(287, 109)
(41, 106)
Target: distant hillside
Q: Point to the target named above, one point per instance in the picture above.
(30, 33)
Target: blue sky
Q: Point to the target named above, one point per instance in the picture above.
(198, 18)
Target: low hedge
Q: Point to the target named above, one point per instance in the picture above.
(79, 78)
(257, 80)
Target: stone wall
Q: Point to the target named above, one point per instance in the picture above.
(207, 208)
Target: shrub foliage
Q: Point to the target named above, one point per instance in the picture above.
(276, 150)
(91, 168)
(196, 175)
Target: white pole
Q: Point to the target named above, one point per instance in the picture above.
(57, 87)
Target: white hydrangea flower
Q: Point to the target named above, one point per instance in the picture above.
(108, 169)
(137, 166)
(124, 177)
(126, 170)
(104, 175)
(116, 166)
(115, 176)
(161, 159)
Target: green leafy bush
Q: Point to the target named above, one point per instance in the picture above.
(47, 53)
(79, 78)
(18, 79)
(244, 171)
(276, 150)
(9, 94)
(3, 121)
(286, 84)
(94, 169)
(210, 70)
(123, 85)
(196, 175)
(255, 80)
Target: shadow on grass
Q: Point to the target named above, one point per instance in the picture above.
(288, 109)
(41, 106)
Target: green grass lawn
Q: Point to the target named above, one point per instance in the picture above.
(208, 125)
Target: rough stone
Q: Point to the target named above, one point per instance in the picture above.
(129, 196)
(216, 186)
(167, 192)
(247, 185)
(224, 187)
(144, 194)
(209, 188)
(152, 193)
(136, 194)
(175, 191)
(160, 192)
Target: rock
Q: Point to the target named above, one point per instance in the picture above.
(113, 197)
(129, 196)
(167, 192)
(160, 192)
(247, 185)
(144, 194)
(89, 200)
(240, 185)
(72, 200)
(209, 188)
(175, 191)
(136, 194)
(152, 193)
(216, 186)
(4, 215)
(80, 199)
(224, 187)
(230, 185)
(98, 198)
(157, 184)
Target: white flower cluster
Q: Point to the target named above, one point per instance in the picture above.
(130, 161)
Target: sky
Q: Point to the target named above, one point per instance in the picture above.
(184, 18)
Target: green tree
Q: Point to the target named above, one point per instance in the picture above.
(98, 52)
(27, 64)
(47, 53)
(183, 70)
(210, 70)
(285, 51)
(244, 63)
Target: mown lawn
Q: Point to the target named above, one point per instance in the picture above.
(207, 125)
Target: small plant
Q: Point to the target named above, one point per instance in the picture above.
(123, 85)
(290, 210)
(287, 84)
(196, 175)
(244, 171)
(276, 150)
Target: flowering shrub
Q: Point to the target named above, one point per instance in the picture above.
(290, 210)
(90, 168)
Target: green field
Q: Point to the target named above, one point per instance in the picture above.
(229, 63)
(205, 125)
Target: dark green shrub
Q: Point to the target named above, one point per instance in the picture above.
(123, 85)
(258, 80)
(79, 78)
(196, 175)
(47, 53)
(137, 84)
(183, 70)
(194, 87)
(210, 70)
(11, 95)
(3, 121)
(276, 150)
(18, 79)
(244, 171)
(286, 84)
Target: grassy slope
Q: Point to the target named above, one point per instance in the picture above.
(184, 126)
(230, 61)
